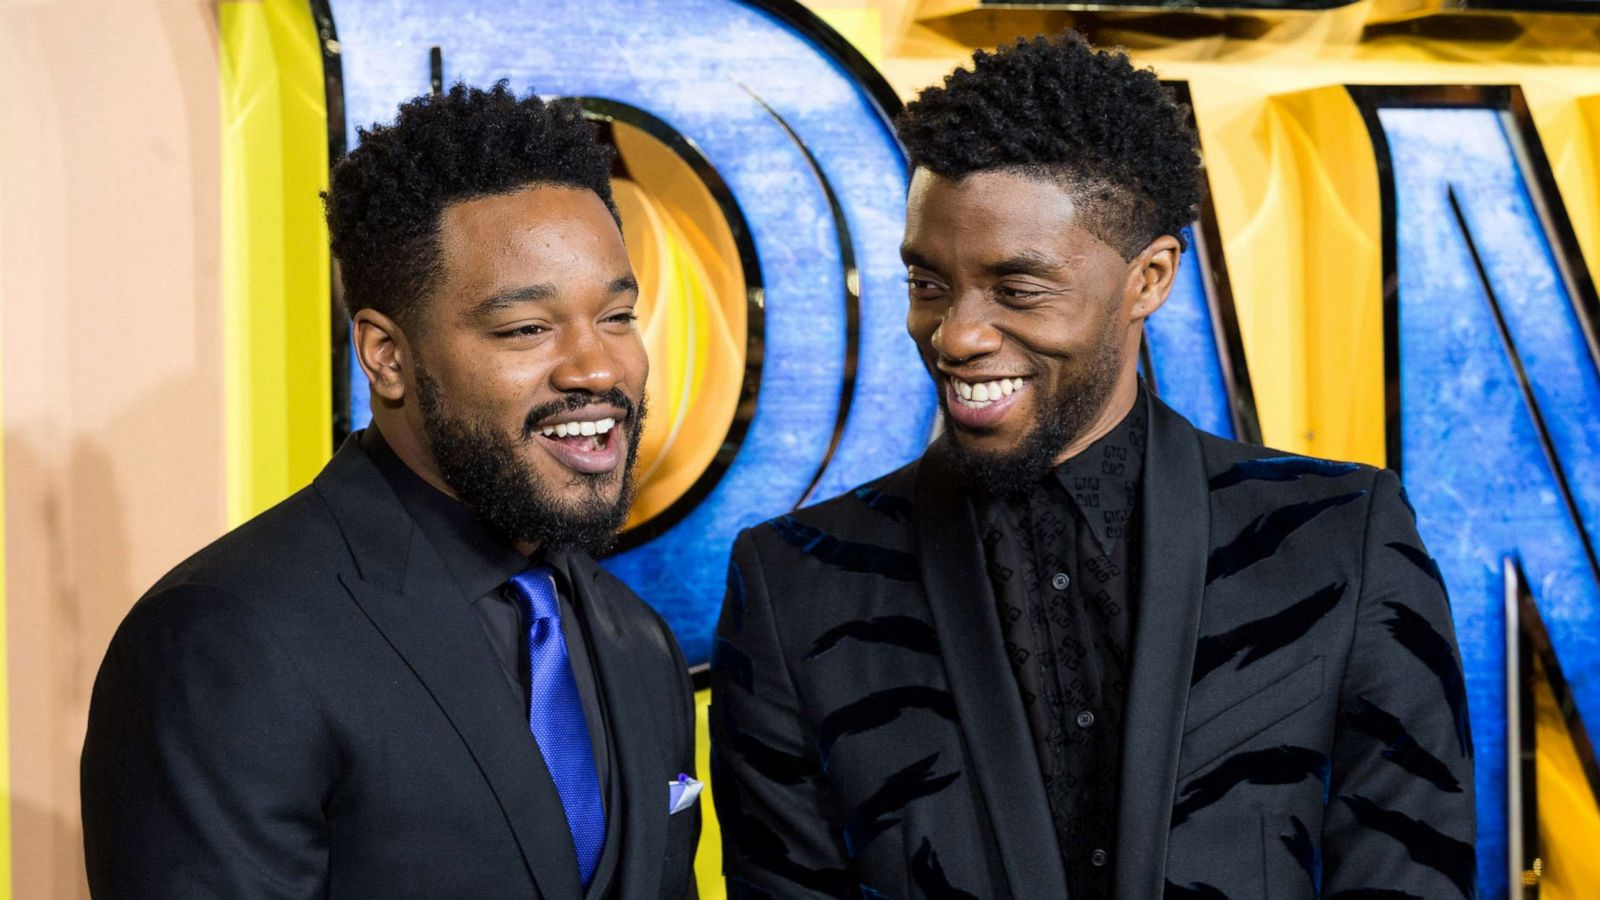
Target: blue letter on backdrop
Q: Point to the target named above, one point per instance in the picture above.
(1482, 482)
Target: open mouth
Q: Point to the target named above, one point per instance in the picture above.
(982, 404)
(589, 446)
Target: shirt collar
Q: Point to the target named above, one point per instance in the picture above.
(1102, 481)
(480, 559)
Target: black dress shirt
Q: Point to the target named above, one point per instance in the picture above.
(483, 562)
(1061, 560)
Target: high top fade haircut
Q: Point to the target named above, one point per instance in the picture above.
(1112, 135)
(386, 197)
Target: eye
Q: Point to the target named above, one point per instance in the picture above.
(1016, 293)
(626, 317)
(922, 285)
(529, 330)
(1022, 294)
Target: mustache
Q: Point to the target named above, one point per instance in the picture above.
(574, 402)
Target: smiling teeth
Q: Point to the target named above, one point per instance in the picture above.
(979, 395)
(576, 429)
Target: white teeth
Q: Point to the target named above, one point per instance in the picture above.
(980, 395)
(579, 429)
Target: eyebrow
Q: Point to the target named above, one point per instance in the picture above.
(912, 258)
(533, 293)
(1025, 263)
(538, 293)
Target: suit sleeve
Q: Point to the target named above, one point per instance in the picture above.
(1401, 803)
(771, 802)
(205, 767)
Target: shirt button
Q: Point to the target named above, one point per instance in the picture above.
(1098, 857)
(1059, 581)
(1085, 719)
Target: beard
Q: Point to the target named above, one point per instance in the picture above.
(481, 463)
(1059, 419)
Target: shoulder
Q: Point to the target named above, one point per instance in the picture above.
(879, 513)
(645, 628)
(287, 553)
(1251, 475)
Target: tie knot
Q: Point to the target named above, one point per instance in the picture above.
(537, 588)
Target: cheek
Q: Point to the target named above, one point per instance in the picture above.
(501, 384)
(628, 354)
(921, 323)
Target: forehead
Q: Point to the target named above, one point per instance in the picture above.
(998, 210)
(537, 234)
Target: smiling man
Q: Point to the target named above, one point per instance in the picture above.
(1080, 648)
(410, 679)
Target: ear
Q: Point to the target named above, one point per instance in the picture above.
(1150, 276)
(383, 352)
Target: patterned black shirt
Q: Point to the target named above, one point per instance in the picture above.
(1060, 560)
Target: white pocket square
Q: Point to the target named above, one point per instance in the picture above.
(682, 794)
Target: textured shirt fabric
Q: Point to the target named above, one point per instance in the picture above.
(483, 562)
(1061, 559)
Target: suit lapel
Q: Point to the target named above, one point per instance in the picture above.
(1175, 534)
(998, 740)
(638, 758)
(409, 595)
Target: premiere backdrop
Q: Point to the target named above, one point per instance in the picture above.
(1391, 269)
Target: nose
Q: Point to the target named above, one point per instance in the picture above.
(964, 333)
(587, 363)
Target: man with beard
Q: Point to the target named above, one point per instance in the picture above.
(410, 679)
(1079, 648)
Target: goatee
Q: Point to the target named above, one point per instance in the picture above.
(484, 466)
(1075, 407)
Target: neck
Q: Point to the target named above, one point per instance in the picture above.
(408, 444)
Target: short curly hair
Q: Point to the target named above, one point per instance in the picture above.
(385, 198)
(1058, 108)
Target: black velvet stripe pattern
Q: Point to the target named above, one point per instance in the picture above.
(762, 847)
(1194, 890)
(1261, 539)
(900, 631)
(730, 660)
(778, 766)
(1305, 852)
(1280, 468)
(875, 815)
(896, 508)
(1428, 645)
(1421, 560)
(878, 709)
(1455, 860)
(733, 599)
(1266, 635)
(1274, 766)
(1400, 747)
(930, 877)
(847, 555)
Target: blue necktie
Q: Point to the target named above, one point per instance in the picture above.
(555, 715)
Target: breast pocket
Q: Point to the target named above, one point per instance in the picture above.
(1249, 716)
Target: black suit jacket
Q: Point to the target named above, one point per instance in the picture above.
(1295, 717)
(308, 708)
